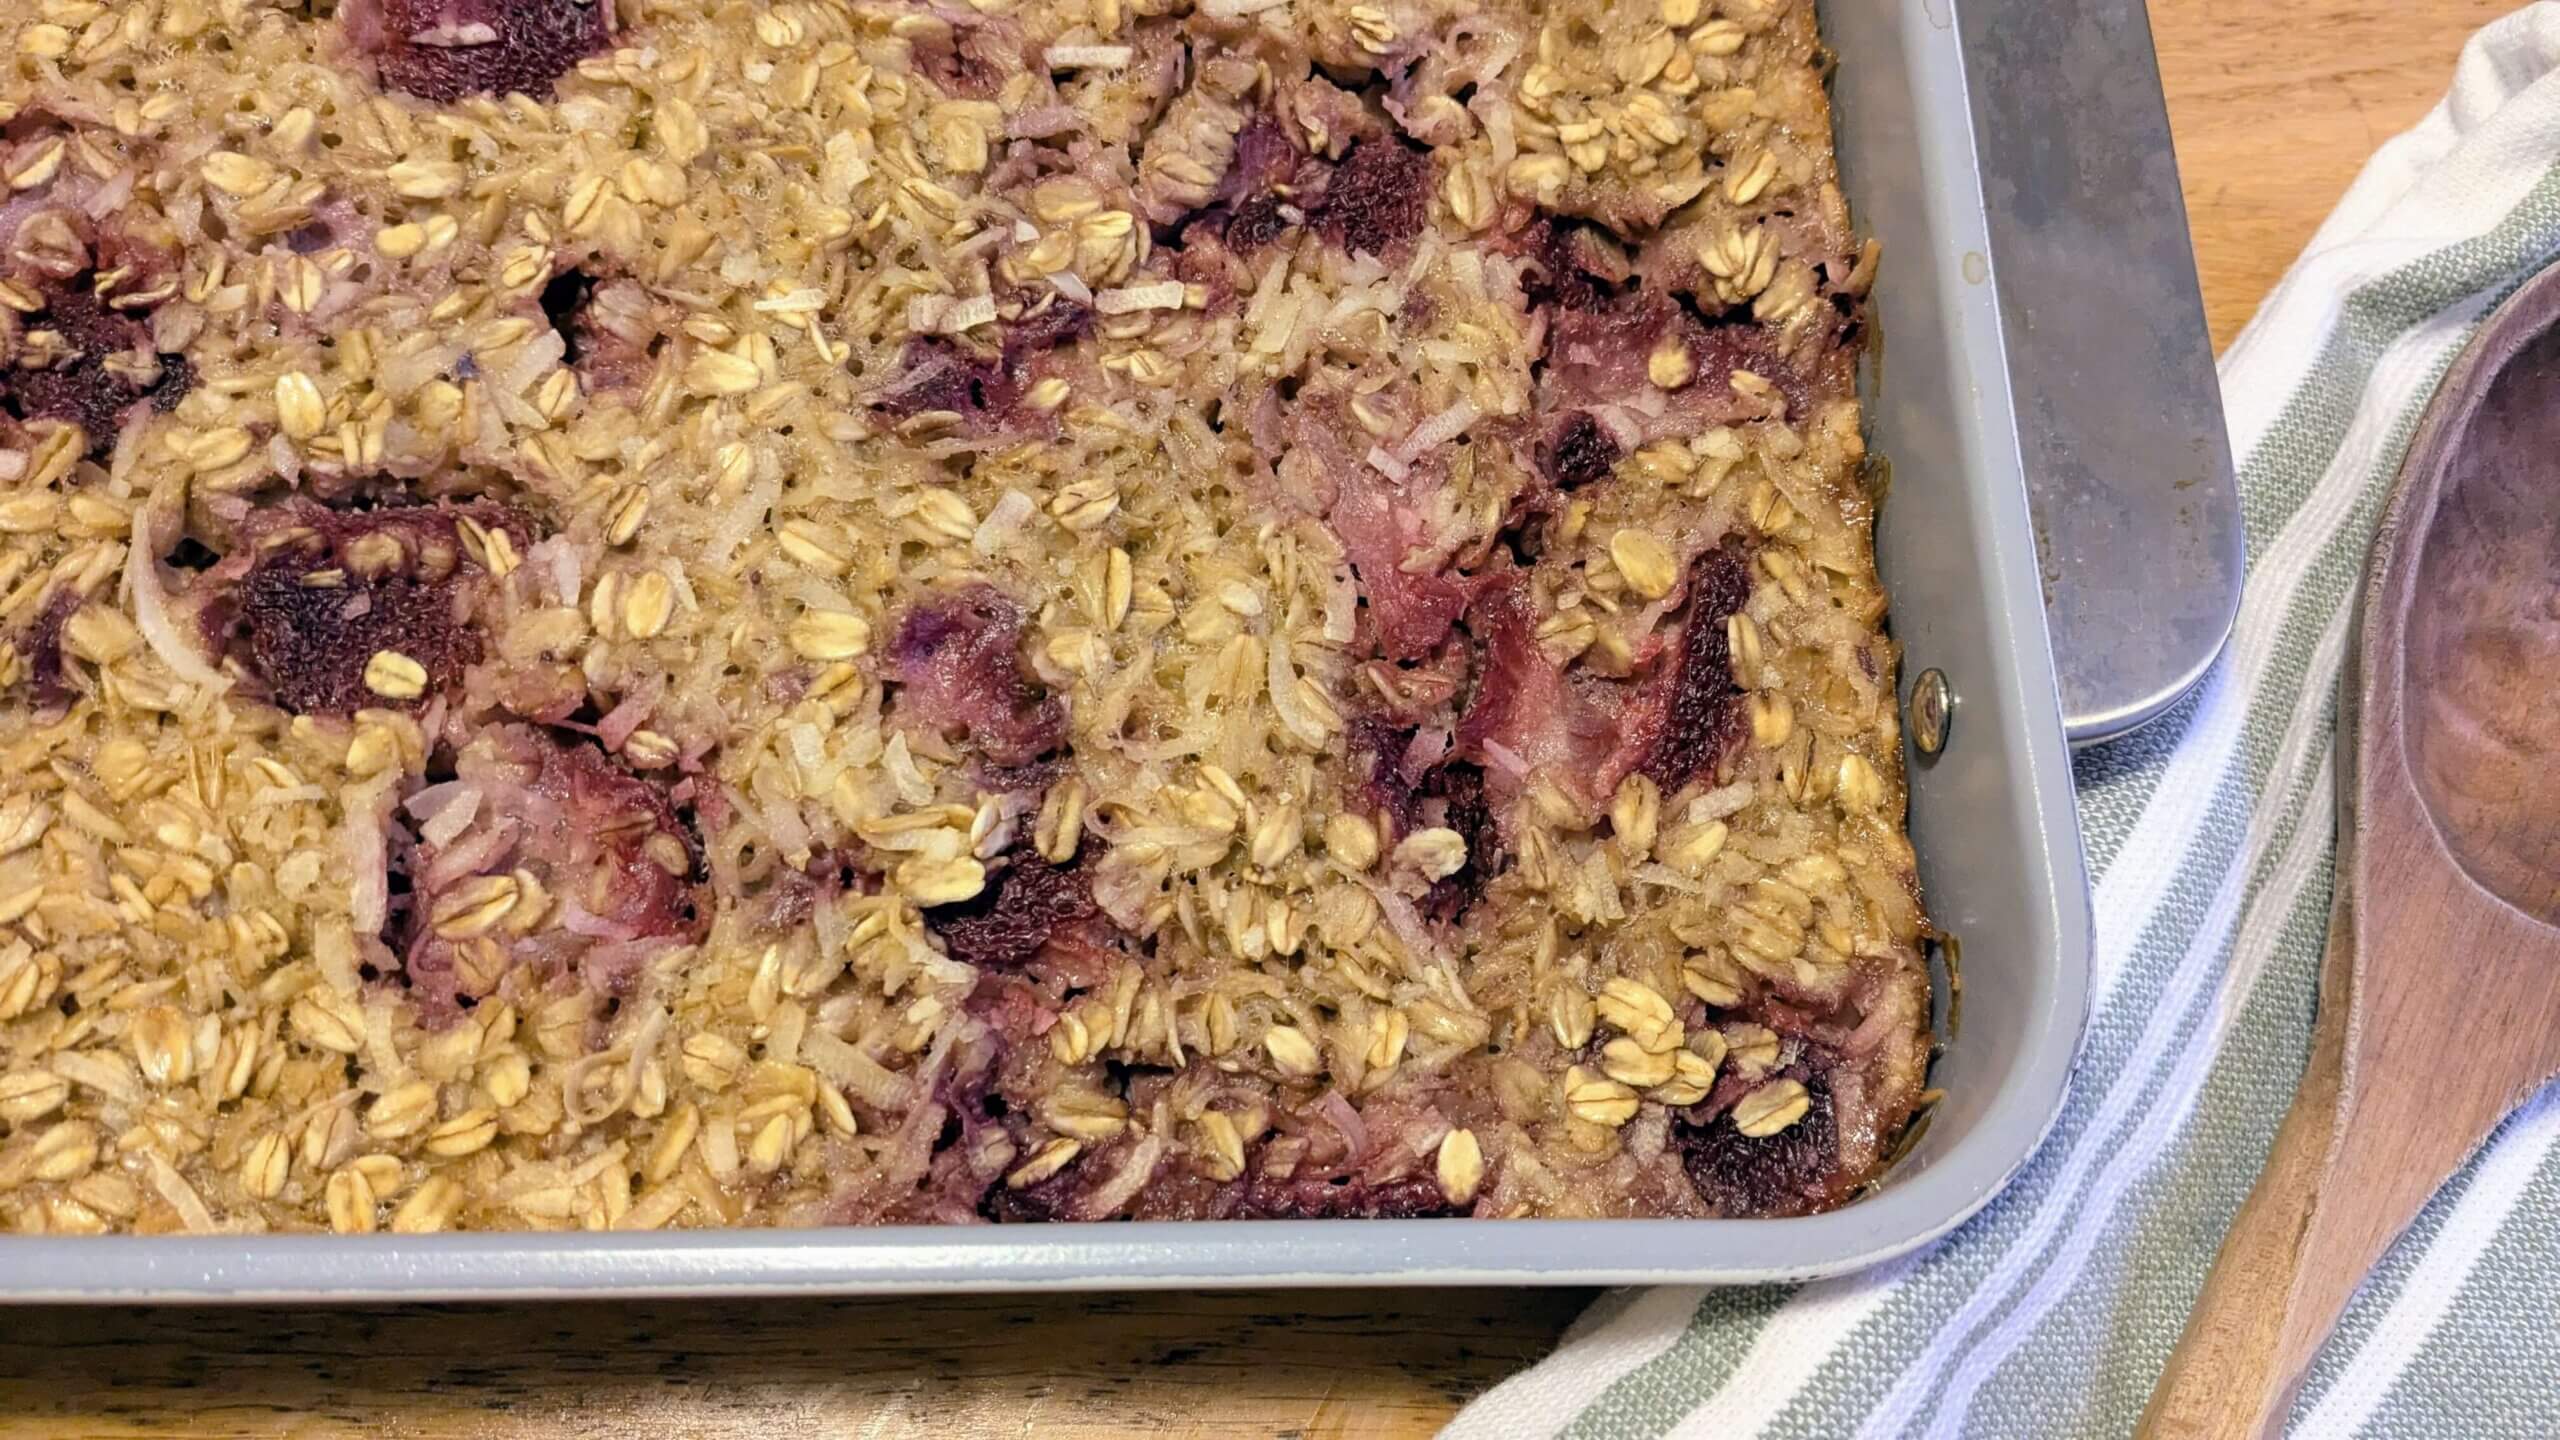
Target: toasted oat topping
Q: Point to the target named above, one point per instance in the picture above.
(624, 613)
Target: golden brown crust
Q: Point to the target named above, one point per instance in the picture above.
(1028, 611)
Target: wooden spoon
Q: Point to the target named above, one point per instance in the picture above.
(2440, 990)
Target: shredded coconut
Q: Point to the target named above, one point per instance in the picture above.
(1087, 57)
(1164, 295)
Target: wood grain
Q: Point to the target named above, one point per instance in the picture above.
(1337, 1364)
(2275, 107)
(2445, 935)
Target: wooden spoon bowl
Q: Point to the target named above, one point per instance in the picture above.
(2440, 989)
(2478, 676)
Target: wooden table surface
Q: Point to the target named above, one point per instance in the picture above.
(2275, 107)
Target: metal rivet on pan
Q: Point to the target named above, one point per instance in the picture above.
(1933, 710)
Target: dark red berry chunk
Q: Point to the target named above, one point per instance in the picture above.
(1792, 1172)
(957, 659)
(311, 641)
(100, 365)
(1575, 265)
(316, 593)
(1042, 1202)
(1459, 787)
(42, 643)
(1378, 196)
(1025, 906)
(935, 374)
(1702, 719)
(1046, 325)
(1579, 453)
(1248, 208)
(443, 50)
(1390, 782)
(1256, 222)
(1450, 793)
(985, 391)
(1726, 341)
(1375, 197)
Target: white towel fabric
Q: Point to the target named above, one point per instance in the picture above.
(2210, 842)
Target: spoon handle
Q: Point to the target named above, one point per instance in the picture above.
(2353, 1163)
(2250, 1338)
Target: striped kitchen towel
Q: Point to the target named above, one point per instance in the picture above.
(2209, 840)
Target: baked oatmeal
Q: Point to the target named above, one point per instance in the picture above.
(627, 613)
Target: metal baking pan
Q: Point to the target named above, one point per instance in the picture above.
(1992, 817)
